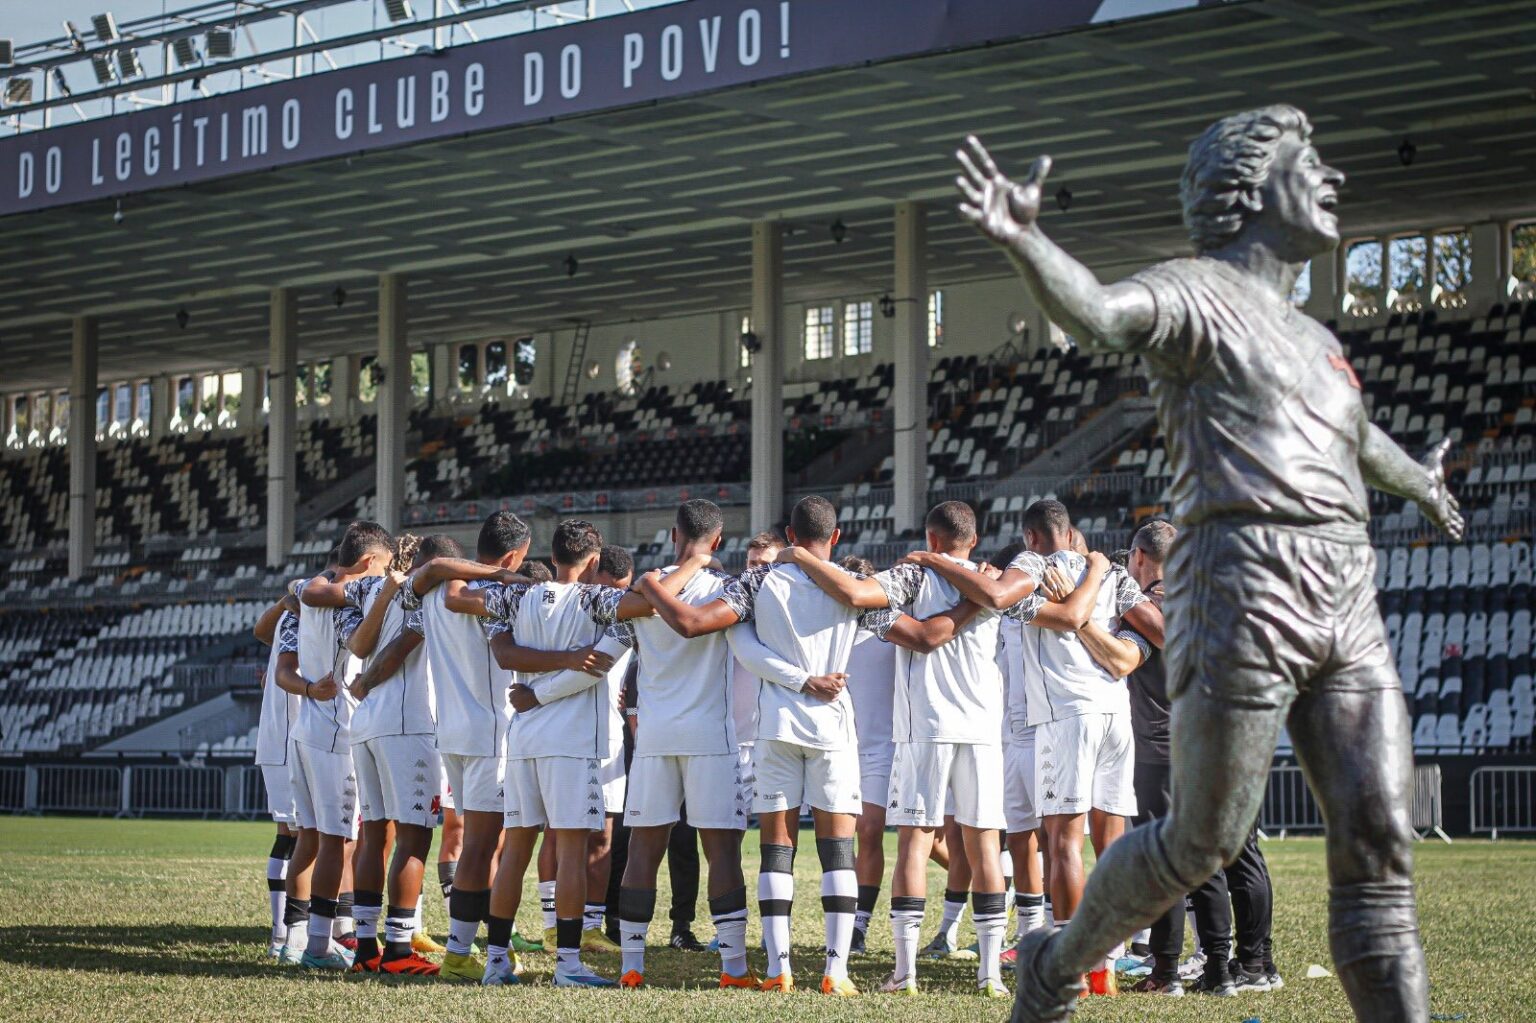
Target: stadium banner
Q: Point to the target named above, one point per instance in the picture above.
(654, 54)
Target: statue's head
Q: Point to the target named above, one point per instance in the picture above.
(1260, 169)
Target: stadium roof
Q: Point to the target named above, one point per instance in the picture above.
(655, 200)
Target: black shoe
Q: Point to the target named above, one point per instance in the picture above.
(1246, 978)
(856, 946)
(1216, 981)
(1273, 975)
(1141, 950)
(682, 938)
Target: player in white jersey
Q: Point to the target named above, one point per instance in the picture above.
(279, 709)
(807, 748)
(395, 758)
(324, 786)
(948, 756)
(687, 750)
(472, 717)
(762, 548)
(1084, 763)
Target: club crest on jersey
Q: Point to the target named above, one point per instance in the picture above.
(548, 597)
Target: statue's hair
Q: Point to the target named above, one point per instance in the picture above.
(1227, 166)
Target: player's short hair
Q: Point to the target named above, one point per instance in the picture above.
(575, 540)
(500, 535)
(954, 519)
(1122, 557)
(766, 540)
(1227, 166)
(438, 545)
(858, 565)
(699, 519)
(1004, 557)
(1079, 541)
(615, 561)
(333, 557)
(813, 519)
(1154, 538)
(1048, 517)
(362, 539)
(537, 572)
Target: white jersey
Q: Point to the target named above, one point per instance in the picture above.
(470, 688)
(1061, 679)
(1010, 655)
(872, 686)
(807, 628)
(560, 616)
(955, 693)
(743, 700)
(402, 704)
(327, 724)
(279, 708)
(683, 688)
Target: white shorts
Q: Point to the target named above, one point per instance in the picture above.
(444, 791)
(932, 780)
(397, 779)
(475, 782)
(790, 775)
(567, 793)
(710, 785)
(324, 790)
(279, 786)
(875, 777)
(1084, 763)
(1019, 804)
(746, 774)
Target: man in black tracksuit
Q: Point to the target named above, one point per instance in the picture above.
(1243, 889)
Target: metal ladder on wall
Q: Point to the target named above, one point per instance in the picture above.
(573, 368)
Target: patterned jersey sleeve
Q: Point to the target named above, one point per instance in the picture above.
(1031, 564)
(1126, 632)
(602, 603)
(623, 632)
(501, 604)
(288, 633)
(740, 594)
(1127, 593)
(879, 620)
(900, 583)
(350, 615)
(415, 621)
(1024, 611)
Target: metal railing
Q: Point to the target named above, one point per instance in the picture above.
(1428, 806)
(134, 790)
(77, 789)
(174, 789)
(1503, 799)
(1289, 804)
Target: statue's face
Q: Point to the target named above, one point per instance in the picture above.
(1299, 198)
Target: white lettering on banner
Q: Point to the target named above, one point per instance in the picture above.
(343, 113)
(151, 151)
(198, 124)
(253, 132)
(474, 89)
(749, 37)
(709, 42)
(291, 112)
(784, 29)
(634, 53)
(24, 176)
(124, 156)
(405, 102)
(96, 177)
(176, 143)
(53, 169)
(374, 124)
(440, 84)
(672, 53)
(224, 137)
(570, 72)
(533, 77)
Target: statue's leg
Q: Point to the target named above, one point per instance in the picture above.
(1356, 749)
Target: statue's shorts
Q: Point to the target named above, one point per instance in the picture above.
(1259, 614)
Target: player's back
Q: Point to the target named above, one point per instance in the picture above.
(802, 624)
(1062, 679)
(470, 687)
(403, 703)
(872, 673)
(279, 710)
(325, 724)
(954, 693)
(553, 616)
(684, 685)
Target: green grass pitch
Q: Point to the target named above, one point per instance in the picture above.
(166, 921)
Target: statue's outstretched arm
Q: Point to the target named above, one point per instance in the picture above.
(1100, 317)
(1387, 467)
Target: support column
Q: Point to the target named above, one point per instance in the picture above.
(1323, 303)
(768, 375)
(1490, 267)
(343, 387)
(393, 403)
(248, 416)
(162, 402)
(445, 371)
(282, 419)
(909, 505)
(82, 445)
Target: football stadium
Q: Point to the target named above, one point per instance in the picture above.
(926, 509)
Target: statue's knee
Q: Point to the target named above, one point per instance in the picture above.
(1379, 850)
(1196, 853)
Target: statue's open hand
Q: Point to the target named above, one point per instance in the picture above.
(1439, 505)
(1003, 209)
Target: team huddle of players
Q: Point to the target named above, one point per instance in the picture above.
(408, 683)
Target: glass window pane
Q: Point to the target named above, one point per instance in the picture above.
(743, 357)
(21, 416)
(468, 364)
(1408, 260)
(1453, 261)
(820, 328)
(367, 390)
(145, 401)
(61, 410)
(496, 364)
(42, 412)
(858, 328)
(301, 385)
(122, 410)
(185, 398)
(935, 318)
(103, 408)
(1362, 270)
(525, 360)
(321, 374)
(421, 374)
(1522, 252)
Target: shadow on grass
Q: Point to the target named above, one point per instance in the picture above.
(169, 949)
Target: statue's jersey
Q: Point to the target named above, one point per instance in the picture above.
(1259, 408)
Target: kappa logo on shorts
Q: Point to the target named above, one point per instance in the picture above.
(421, 778)
(1049, 794)
(892, 806)
(421, 808)
(592, 811)
(421, 764)
(419, 792)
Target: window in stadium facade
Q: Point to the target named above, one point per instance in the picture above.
(469, 367)
(743, 357)
(367, 390)
(1363, 276)
(1452, 248)
(820, 330)
(1522, 256)
(496, 365)
(935, 319)
(421, 374)
(858, 328)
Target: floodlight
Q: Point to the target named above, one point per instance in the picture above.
(73, 35)
(60, 85)
(398, 10)
(185, 50)
(7, 53)
(18, 92)
(128, 62)
(220, 42)
(101, 66)
(105, 27)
